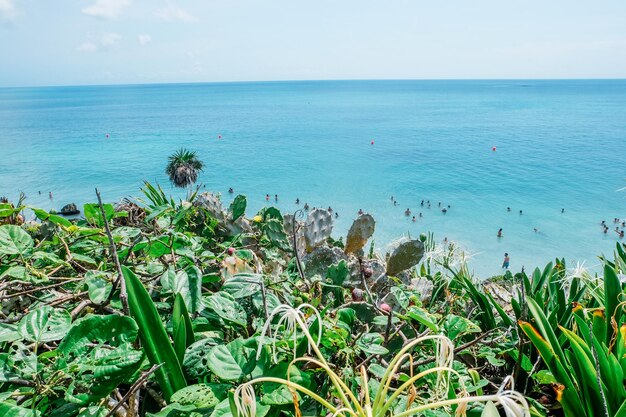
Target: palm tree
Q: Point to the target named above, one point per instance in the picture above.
(183, 167)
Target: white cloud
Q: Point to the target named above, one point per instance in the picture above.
(8, 11)
(110, 39)
(173, 13)
(107, 9)
(106, 40)
(87, 47)
(144, 39)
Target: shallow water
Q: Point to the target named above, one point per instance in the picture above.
(559, 144)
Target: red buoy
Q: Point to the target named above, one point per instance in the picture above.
(372, 142)
(493, 149)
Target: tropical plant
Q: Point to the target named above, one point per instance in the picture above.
(375, 398)
(183, 167)
(586, 359)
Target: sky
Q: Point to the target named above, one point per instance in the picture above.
(77, 42)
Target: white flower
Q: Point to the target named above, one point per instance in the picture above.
(245, 400)
(513, 403)
(291, 318)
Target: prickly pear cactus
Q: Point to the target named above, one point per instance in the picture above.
(360, 232)
(212, 203)
(405, 256)
(319, 225)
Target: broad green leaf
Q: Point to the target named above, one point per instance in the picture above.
(201, 395)
(422, 316)
(52, 218)
(456, 325)
(44, 324)
(94, 216)
(9, 333)
(93, 411)
(187, 283)
(14, 240)
(10, 410)
(196, 359)
(371, 343)
(238, 206)
(223, 364)
(98, 285)
(176, 410)
(6, 371)
(18, 272)
(156, 344)
(98, 352)
(226, 307)
(243, 285)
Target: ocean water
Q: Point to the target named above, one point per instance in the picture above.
(559, 145)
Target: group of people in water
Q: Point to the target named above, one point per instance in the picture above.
(424, 203)
(619, 223)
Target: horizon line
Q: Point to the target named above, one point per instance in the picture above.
(310, 80)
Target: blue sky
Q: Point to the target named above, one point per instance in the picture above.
(68, 42)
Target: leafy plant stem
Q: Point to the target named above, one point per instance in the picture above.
(120, 276)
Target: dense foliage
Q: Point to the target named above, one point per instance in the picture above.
(162, 308)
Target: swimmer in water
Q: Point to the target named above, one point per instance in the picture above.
(50, 195)
(500, 232)
(407, 212)
(275, 197)
(413, 219)
(330, 209)
(267, 197)
(422, 203)
(336, 215)
(444, 210)
(508, 209)
(306, 206)
(520, 212)
(297, 201)
(360, 212)
(230, 190)
(505, 263)
(421, 215)
(562, 210)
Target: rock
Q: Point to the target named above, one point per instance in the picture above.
(318, 261)
(69, 210)
(360, 232)
(405, 256)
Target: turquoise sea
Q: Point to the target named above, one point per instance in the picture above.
(559, 145)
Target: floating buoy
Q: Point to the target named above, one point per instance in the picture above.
(372, 142)
(106, 136)
(219, 136)
(493, 149)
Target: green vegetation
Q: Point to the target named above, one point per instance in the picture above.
(161, 308)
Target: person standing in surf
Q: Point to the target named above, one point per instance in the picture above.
(505, 263)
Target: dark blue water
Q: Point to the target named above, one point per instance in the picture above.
(560, 144)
